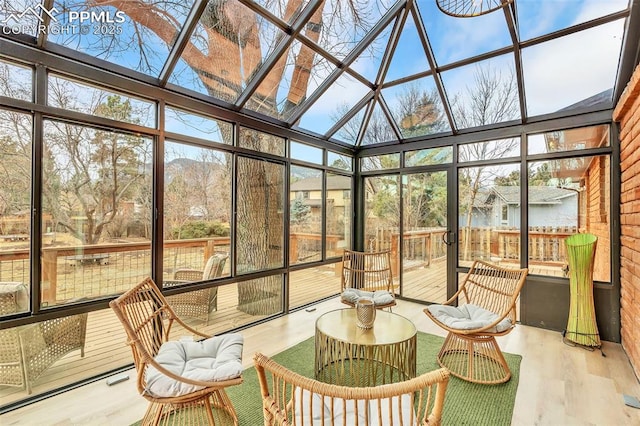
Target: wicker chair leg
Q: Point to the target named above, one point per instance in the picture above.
(476, 359)
(212, 409)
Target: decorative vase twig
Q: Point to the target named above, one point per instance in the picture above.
(581, 326)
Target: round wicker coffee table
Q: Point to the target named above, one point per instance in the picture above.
(351, 356)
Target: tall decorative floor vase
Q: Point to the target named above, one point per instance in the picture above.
(582, 327)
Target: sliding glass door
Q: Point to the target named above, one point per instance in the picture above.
(425, 236)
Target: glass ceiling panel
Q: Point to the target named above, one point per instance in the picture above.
(137, 34)
(453, 39)
(21, 16)
(226, 48)
(349, 132)
(417, 108)
(368, 62)
(288, 11)
(536, 18)
(578, 70)
(296, 74)
(339, 98)
(409, 57)
(378, 130)
(231, 43)
(343, 26)
(484, 92)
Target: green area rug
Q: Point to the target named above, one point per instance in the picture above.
(465, 403)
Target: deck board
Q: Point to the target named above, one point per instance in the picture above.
(105, 347)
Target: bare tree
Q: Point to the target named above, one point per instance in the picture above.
(91, 171)
(222, 55)
(493, 98)
(419, 112)
(15, 166)
(15, 151)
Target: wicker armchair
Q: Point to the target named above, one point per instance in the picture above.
(198, 303)
(184, 381)
(26, 352)
(291, 399)
(488, 310)
(367, 274)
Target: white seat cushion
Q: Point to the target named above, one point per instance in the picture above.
(380, 297)
(401, 411)
(468, 317)
(307, 414)
(215, 359)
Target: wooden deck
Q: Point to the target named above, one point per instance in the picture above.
(105, 348)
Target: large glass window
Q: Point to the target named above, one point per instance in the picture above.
(489, 214)
(199, 126)
(309, 284)
(382, 216)
(567, 196)
(339, 161)
(15, 211)
(568, 140)
(197, 212)
(262, 142)
(96, 195)
(16, 81)
(339, 214)
(426, 157)
(379, 162)
(76, 96)
(305, 215)
(425, 223)
(260, 215)
(304, 152)
(489, 150)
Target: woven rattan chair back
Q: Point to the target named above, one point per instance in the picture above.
(198, 303)
(493, 288)
(291, 399)
(26, 352)
(368, 272)
(148, 319)
(474, 354)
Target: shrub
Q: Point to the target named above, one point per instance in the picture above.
(200, 229)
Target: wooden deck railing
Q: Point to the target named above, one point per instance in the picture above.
(104, 269)
(65, 265)
(425, 245)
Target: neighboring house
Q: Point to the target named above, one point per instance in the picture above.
(499, 207)
(310, 190)
(198, 212)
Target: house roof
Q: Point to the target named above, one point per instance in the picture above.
(315, 183)
(511, 195)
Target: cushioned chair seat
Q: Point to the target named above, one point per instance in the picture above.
(380, 297)
(468, 317)
(333, 411)
(215, 359)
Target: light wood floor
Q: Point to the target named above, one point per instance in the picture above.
(559, 384)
